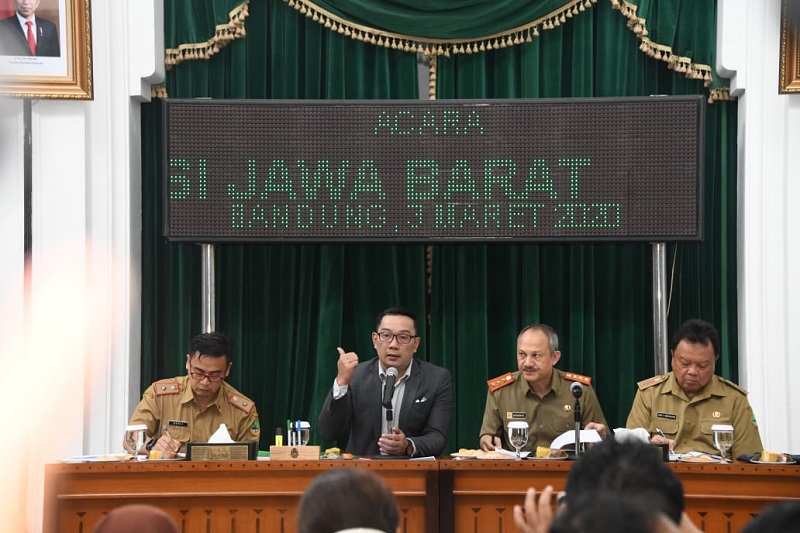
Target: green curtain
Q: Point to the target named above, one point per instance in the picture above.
(287, 307)
(597, 296)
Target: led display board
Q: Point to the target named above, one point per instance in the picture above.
(594, 169)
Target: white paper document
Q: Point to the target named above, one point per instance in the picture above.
(568, 437)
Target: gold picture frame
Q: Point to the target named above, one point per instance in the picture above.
(790, 50)
(64, 70)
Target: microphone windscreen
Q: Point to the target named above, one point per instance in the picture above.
(577, 389)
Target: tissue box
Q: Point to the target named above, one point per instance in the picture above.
(235, 451)
(294, 453)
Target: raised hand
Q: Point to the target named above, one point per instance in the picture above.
(348, 361)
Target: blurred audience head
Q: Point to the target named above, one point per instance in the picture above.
(608, 511)
(783, 517)
(135, 519)
(346, 498)
(626, 469)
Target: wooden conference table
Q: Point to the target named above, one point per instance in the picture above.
(434, 496)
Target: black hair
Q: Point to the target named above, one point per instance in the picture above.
(213, 344)
(345, 498)
(397, 310)
(629, 468)
(607, 511)
(696, 331)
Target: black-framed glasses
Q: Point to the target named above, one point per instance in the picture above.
(402, 338)
(214, 377)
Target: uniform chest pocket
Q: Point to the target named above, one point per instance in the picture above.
(559, 423)
(667, 425)
(180, 431)
(705, 425)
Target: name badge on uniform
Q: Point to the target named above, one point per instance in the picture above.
(178, 423)
(510, 415)
(668, 416)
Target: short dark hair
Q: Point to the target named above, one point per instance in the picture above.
(696, 331)
(611, 511)
(628, 468)
(213, 344)
(783, 517)
(552, 336)
(345, 498)
(397, 310)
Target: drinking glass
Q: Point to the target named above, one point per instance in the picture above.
(305, 432)
(723, 439)
(518, 435)
(134, 440)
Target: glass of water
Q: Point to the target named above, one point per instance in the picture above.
(518, 435)
(305, 432)
(723, 439)
(134, 439)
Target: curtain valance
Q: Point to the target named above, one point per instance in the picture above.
(680, 33)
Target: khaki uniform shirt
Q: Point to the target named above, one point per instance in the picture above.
(547, 417)
(171, 402)
(660, 403)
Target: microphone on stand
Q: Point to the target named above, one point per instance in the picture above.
(388, 387)
(577, 391)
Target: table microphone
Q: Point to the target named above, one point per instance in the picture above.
(577, 391)
(388, 387)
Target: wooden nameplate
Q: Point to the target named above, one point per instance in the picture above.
(294, 453)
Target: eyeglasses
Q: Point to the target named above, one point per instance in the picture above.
(200, 376)
(402, 338)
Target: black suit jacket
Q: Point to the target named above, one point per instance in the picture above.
(14, 42)
(424, 415)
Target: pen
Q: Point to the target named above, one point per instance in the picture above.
(661, 433)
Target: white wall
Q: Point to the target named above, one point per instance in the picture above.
(78, 376)
(76, 373)
(769, 223)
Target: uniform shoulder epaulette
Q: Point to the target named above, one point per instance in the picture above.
(655, 380)
(166, 386)
(586, 380)
(734, 385)
(242, 402)
(500, 381)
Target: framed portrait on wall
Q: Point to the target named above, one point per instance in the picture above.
(789, 70)
(46, 49)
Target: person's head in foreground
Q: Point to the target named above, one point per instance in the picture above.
(626, 469)
(346, 498)
(609, 511)
(135, 519)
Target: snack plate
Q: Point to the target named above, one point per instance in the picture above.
(701, 459)
(100, 458)
(560, 458)
(506, 456)
(786, 461)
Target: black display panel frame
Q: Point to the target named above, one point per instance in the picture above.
(549, 170)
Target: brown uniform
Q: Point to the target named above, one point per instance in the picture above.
(547, 417)
(171, 402)
(660, 403)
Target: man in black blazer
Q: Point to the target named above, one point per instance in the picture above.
(421, 404)
(14, 35)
